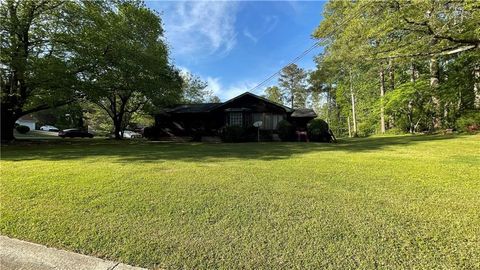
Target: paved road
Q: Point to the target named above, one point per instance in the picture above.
(17, 254)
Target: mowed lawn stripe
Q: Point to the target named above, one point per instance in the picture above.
(389, 202)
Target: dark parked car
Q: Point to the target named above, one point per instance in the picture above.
(72, 133)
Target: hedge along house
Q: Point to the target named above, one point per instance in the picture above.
(243, 111)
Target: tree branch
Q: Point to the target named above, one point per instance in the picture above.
(445, 51)
(429, 30)
(46, 106)
(105, 109)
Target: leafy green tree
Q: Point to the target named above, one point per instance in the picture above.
(411, 104)
(274, 94)
(214, 99)
(97, 119)
(195, 89)
(132, 72)
(392, 47)
(63, 117)
(293, 85)
(37, 71)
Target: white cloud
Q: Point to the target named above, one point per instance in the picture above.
(237, 89)
(214, 85)
(201, 28)
(184, 70)
(230, 91)
(269, 23)
(295, 6)
(249, 35)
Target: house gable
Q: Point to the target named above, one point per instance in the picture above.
(253, 103)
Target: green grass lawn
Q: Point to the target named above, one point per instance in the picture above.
(387, 202)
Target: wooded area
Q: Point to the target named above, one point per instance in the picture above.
(105, 59)
(387, 66)
(398, 66)
(392, 67)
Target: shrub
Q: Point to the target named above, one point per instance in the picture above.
(286, 131)
(318, 131)
(469, 122)
(233, 134)
(395, 131)
(22, 129)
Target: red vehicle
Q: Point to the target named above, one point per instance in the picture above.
(74, 133)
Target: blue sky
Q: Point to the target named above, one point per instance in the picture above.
(236, 45)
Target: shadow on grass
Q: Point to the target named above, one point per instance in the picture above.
(143, 151)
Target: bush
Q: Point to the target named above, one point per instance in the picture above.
(395, 131)
(318, 131)
(469, 122)
(286, 131)
(22, 129)
(233, 134)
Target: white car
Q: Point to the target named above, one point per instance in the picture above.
(128, 134)
(49, 128)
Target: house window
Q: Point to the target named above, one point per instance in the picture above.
(257, 117)
(270, 120)
(235, 119)
(275, 119)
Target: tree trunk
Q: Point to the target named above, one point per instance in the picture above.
(476, 86)
(446, 112)
(434, 83)
(391, 78)
(7, 124)
(292, 95)
(382, 94)
(354, 116)
(117, 124)
(329, 104)
(391, 74)
(349, 127)
(411, 125)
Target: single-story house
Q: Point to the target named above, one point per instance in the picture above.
(242, 110)
(27, 120)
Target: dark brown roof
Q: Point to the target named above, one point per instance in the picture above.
(193, 108)
(287, 109)
(304, 113)
(206, 107)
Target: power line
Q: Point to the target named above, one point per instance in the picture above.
(306, 52)
(291, 62)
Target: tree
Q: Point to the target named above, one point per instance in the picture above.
(273, 93)
(397, 46)
(194, 89)
(293, 85)
(97, 119)
(63, 117)
(214, 99)
(37, 72)
(132, 71)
